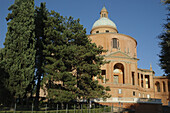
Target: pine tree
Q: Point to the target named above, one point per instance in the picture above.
(86, 61)
(165, 44)
(19, 55)
(71, 61)
(87, 70)
(57, 77)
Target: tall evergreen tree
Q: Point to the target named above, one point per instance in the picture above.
(41, 14)
(5, 97)
(19, 51)
(57, 77)
(165, 44)
(71, 61)
(85, 58)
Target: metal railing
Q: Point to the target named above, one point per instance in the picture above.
(129, 100)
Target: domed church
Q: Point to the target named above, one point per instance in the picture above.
(128, 83)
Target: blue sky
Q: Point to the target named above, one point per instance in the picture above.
(140, 19)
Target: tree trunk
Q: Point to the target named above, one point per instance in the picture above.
(12, 107)
(37, 93)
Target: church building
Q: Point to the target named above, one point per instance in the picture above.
(128, 83)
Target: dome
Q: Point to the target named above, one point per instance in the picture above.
(104, 24)
(104, 21)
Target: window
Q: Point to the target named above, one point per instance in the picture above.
(115, 43)
(107, 31)
(134, 93)
(142, 80)
(139, 94)
(148, 96)
(104, 15)
(157, 84)
(120, 91)
(147, 81)
(104, 76)
(103, 72)
(133, 78)
(138, 79)
(97, 31)
(164, 89)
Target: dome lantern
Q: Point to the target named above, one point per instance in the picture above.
(104, 12)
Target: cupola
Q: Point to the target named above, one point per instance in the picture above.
(104, 13)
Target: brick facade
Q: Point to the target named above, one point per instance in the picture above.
(125, 79)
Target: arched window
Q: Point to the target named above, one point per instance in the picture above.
(164, 88)
(118, 73)
(115, 43)
(139, 95)
(157, 85)
(147, 79)
(148, 96)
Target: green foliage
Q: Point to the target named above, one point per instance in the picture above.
(60, 83)
(58, 48)
(19, 51)
(71, 61)
(41, 14)
(166, 1)
(5, 96)
(165, 45)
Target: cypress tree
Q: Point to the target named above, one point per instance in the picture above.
(5, 97)
(19, 55)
